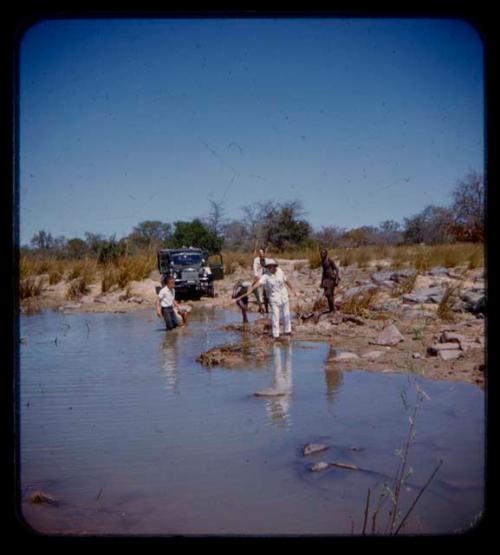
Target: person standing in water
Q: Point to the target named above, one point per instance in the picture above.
(165, 303)
(276, 287)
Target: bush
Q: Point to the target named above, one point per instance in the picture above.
(77, 288)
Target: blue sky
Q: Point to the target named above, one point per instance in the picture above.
(363, 120)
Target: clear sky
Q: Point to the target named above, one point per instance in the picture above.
(363, 120)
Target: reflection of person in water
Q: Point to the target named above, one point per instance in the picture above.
(333, 378)
(169, 356)
(278, 406)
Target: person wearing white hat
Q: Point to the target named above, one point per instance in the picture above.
(276, 286)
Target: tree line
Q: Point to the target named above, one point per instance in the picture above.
(280, 226)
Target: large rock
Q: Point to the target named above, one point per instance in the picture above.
(428, 295)
(446, 354)
(344, 356)
(389, 336)
(438, 347)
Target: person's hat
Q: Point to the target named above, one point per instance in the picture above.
(271, 262)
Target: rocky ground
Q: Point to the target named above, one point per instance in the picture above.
(387, 320)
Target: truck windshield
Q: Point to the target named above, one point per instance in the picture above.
(186, 259)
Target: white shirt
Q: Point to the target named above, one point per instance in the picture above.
(275, 285)
(166, 296)
(258, 269)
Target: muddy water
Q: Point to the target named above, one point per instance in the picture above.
(132, 436)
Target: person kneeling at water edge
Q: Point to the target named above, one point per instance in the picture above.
(166, 303)
(276, 286)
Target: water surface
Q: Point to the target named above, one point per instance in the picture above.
(132, 436)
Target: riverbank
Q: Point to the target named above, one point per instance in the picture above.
(387, 320)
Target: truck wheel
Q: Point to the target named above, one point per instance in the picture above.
(211, 291)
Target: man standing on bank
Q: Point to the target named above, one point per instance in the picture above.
(276, 286)
(329, 279)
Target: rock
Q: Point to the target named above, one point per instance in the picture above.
(451, 337)
(311, 448)
(353, 291)
(467, 345)
(439, 271)
(318, 467)
(436, 348)
(402, 275)
(389, 336)
(382, 277)
(417, 355)
(270, 393)
(429, 294)
(39, 497)
(446, 354)
(372, 354)
(344, 356)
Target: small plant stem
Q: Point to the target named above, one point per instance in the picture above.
(431, 477)
(367, 508)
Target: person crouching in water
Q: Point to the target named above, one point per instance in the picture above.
(240, 291)
(276, 286)
(165, 303)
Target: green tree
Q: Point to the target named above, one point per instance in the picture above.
(76, 248)
(195, 234)
(150, 234)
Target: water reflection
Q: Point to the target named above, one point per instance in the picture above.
(278, 408)
(169, 359)
(334, 377)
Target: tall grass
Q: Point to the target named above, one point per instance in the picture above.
(30, 287)
(126, 269)
(445, 310)
(233, 259)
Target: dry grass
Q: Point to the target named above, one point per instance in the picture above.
(125, 270)
(233, 259)
(445, 310)
(361, 304)
(76, 288)
(31, 287)
(406, 286)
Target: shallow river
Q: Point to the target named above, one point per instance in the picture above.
(132, 436)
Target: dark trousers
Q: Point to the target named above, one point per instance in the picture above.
(243, 304)
(329, 294)
(169, 317)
